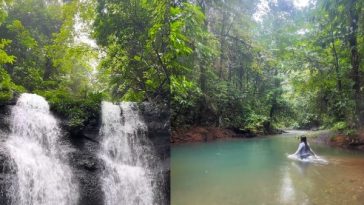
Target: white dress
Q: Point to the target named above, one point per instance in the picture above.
(303, 151)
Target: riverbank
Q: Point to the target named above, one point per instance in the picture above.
(337, 139)
(205, 134)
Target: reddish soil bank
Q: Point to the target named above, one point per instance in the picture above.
(356, 142)
(204, 134)
(341, 140)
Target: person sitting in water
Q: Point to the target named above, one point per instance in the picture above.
(304, 151)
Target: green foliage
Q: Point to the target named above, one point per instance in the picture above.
(184, 92)
(130, 68)
(78, 111)
(226, 66)
(30, 77)
(322, 78)
(185, 96)
(7, 87)
(146, 47)
(40, 53)
(211, 60)
(4, 57)
(255, 123)
(340, 126)
(295, 70)
(22, 34)
(345, 128)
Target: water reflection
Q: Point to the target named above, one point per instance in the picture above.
(287, 190)
(295, 183)
(301, 167)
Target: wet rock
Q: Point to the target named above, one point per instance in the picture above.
(85, 161)
(157, 119)
(4, 120)
(87, 167)
(12, 101)
(84, 145)
(7, 166)
(7, 177)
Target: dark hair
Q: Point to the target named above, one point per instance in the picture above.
(304, 140)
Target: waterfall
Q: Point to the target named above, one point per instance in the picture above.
(43, 176)
(128, 155)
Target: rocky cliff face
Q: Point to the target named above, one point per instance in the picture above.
(83, 157)
(159, 132)
(7, 174)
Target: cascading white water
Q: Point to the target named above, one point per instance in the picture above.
(127, 153)
(43, 177)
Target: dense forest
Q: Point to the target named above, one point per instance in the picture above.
(248, 65)
(77, 53)
(268, 64)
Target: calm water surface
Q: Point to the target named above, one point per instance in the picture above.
(257, 171)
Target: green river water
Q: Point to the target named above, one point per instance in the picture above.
(257, 171)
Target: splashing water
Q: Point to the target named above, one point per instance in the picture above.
(128, 154)
(43, 177)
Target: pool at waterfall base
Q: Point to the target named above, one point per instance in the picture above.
(257, 171)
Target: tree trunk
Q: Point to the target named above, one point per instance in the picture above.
(48, 69)
(230, 72)
(222, 45)
(355, 60)
(241, 74)
(274, 97)
(201, 64)
(336, 64)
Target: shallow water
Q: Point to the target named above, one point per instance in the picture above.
(257, 171)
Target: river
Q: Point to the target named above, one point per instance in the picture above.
(257, 171)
